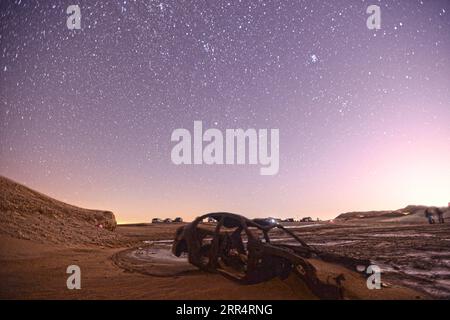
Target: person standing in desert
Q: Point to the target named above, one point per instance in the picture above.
(440, 213)
(429, 215)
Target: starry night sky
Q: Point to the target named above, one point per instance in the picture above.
(364, 115)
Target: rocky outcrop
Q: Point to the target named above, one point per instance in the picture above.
(28, 214)
(410, 213)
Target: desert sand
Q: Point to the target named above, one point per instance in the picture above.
(40, 237)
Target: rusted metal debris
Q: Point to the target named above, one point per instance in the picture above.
(241, 249)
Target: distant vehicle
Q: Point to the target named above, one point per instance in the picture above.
(157, 220)
(178, 219)
(167, 220)
(306, 219)
(288, 220)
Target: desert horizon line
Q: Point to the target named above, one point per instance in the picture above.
(296, 217)
(190, 217)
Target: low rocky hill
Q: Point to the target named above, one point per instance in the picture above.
(411, 213)
(28, 214)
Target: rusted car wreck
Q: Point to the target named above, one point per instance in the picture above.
(242, 249)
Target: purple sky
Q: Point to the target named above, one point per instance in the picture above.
(364, 115)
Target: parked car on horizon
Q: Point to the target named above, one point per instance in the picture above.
(157, 220)
(178, 219)
(167, 220)
(306, 219)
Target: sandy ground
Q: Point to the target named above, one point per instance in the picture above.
(414, 255)
(38, 271)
